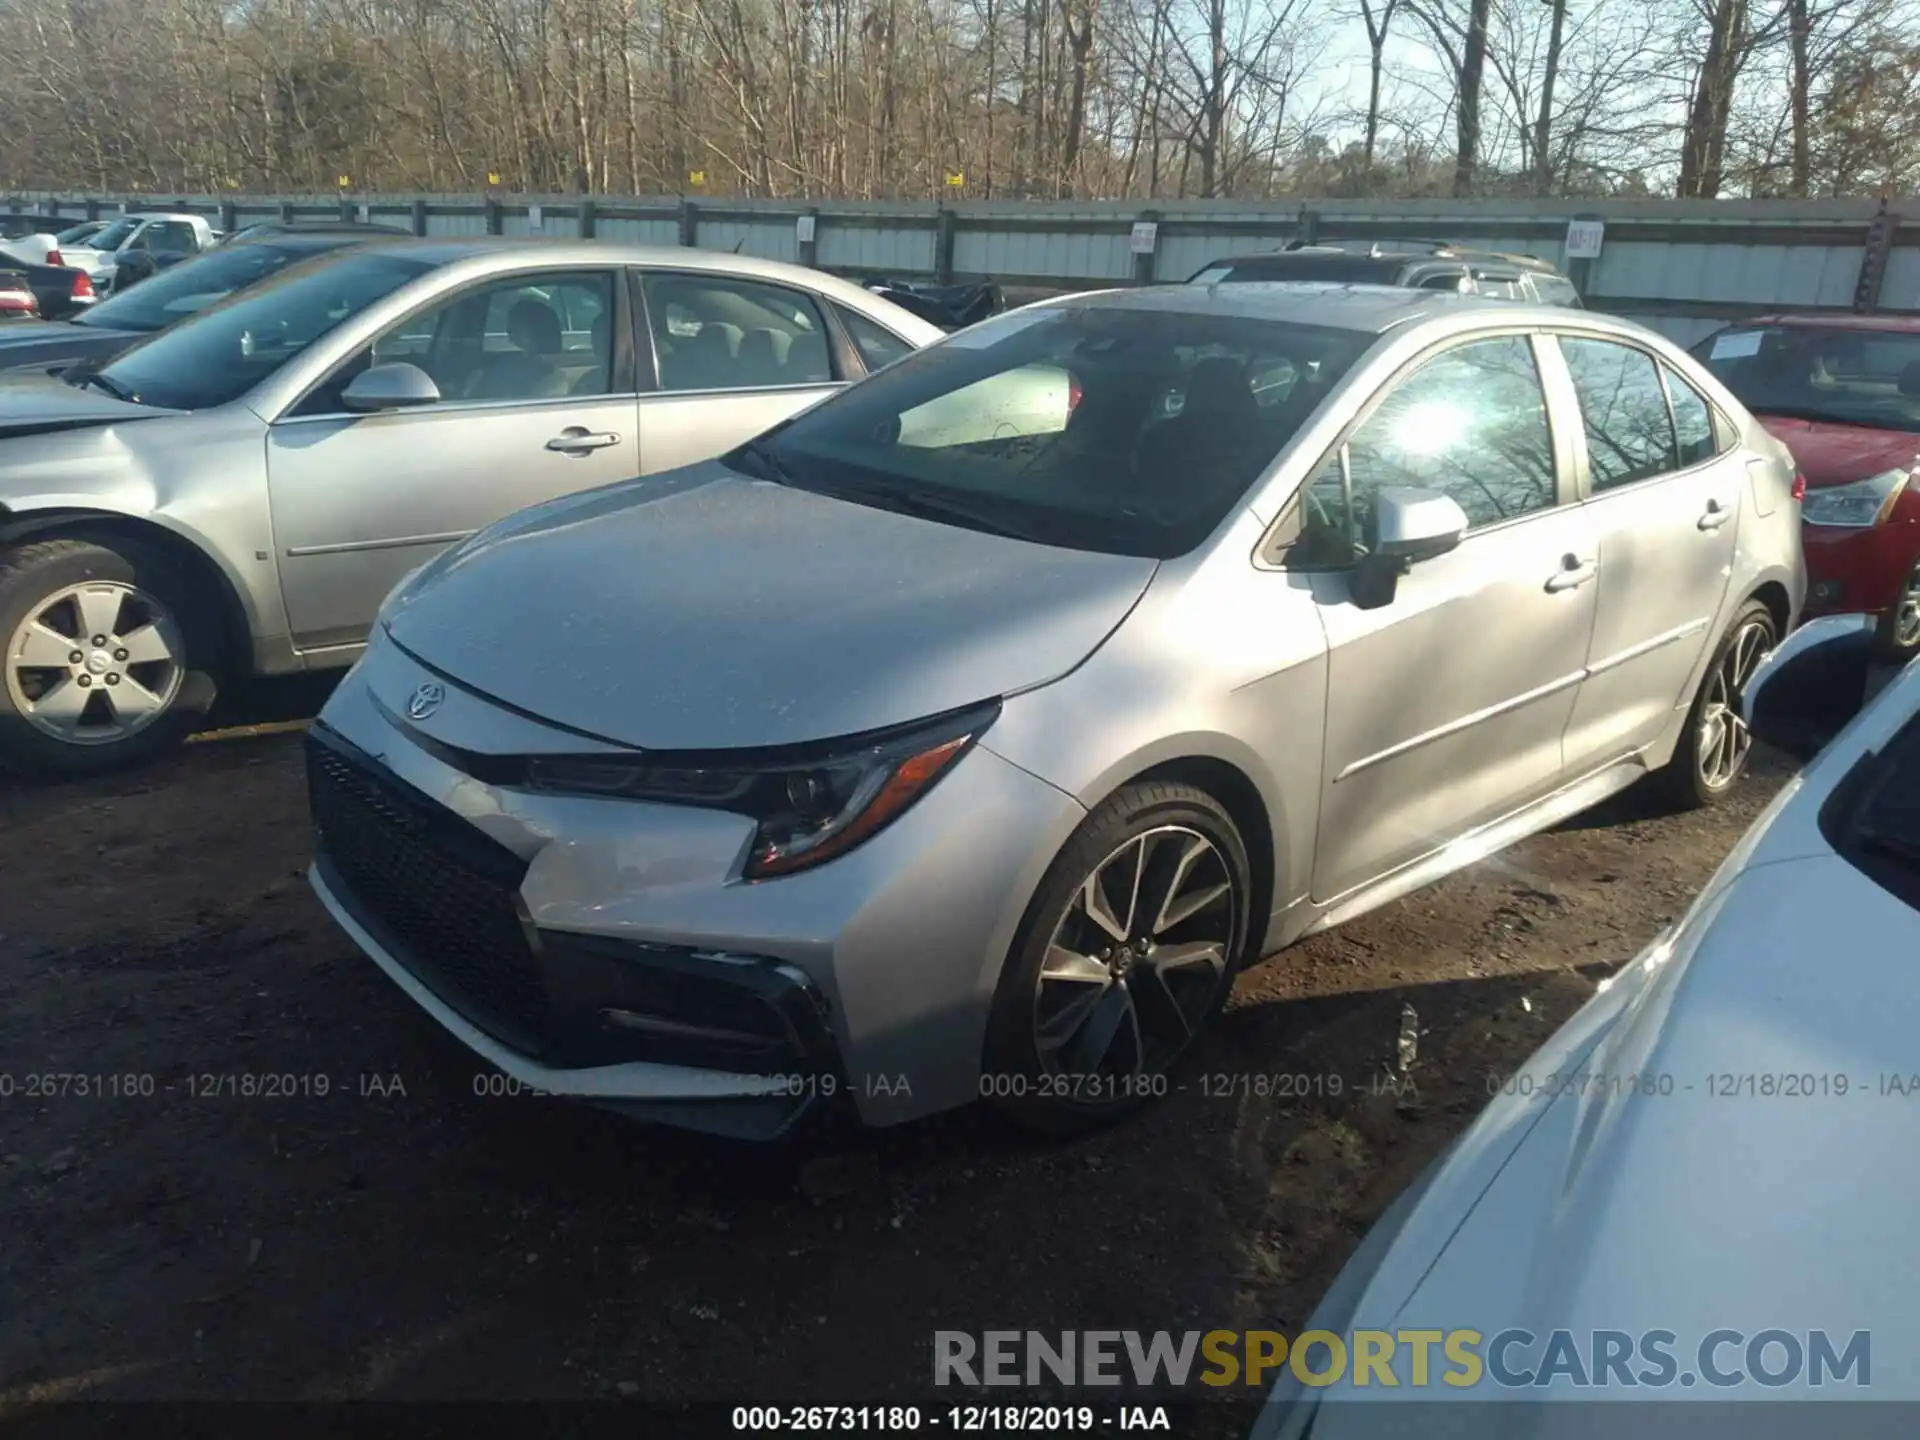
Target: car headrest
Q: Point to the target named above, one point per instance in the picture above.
(534, 328)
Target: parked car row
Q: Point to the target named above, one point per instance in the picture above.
(118, 252)
(622, 573)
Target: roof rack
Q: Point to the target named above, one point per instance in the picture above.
(1398, 245)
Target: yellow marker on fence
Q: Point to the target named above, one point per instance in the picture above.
(345, 181)
(493, 177)
(956, 177)
(696, 177)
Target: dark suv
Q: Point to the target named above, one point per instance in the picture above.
(1417, 264)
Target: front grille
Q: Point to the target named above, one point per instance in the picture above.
(440, 895)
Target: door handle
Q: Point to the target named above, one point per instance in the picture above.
(1572, 574)
(1716, 516)
(578, 440)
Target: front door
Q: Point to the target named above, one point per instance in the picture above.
(1446, 706)
(537, 401)
(1664, 507)
(735, 357)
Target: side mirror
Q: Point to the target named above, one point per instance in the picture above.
(394, 386)
(1409, 525)
(1812, 685)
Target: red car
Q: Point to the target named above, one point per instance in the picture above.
(1842, 392)
(17, 300)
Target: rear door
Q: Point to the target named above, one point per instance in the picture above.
(1661, 491)
(731, 357)
(537, 401)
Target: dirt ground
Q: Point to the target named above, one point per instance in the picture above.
(401, 1237)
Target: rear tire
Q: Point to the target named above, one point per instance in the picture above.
(1716, 745)
(108, 657)
(1126, 954)
(1899, 634)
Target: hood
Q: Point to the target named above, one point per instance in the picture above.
(33, 404)
(704, 610)
(58, 343)
(1830, 454)
(1716, 1204)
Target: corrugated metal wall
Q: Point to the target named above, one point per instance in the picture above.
(1682, 266)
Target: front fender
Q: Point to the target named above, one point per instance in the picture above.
(198, 481)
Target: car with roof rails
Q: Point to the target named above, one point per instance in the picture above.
(1416, 264)
(233, 495)
(942, 743)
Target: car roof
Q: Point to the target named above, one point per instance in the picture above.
(1369, 309)
(1399, 253)
(474, 253)
(1897, 324)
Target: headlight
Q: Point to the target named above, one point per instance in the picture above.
(808, 803)
(1859, 504)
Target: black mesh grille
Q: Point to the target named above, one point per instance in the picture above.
(442, 895)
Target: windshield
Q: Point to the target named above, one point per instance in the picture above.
(187, 289)
(74, 234)
(1820, 372)
(1128, 431)
(115, 235)
(220, 354)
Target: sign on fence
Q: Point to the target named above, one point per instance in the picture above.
(1584, 238)
(1146, 234)
(803, 229)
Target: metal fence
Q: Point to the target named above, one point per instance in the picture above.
(1682, 266)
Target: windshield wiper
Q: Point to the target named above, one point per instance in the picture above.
(929, 507)
(112, 387)
(771, 465)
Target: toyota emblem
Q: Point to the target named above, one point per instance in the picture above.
(426, 700)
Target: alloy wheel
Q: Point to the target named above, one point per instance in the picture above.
(94, 663)
(1724, 738)
(1906, 613)
(1138, 959)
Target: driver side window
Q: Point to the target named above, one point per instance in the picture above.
(1470, 423)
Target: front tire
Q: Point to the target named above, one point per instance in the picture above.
(107, 657)
(1899, 634)
(1716, 745)
(1126, 954)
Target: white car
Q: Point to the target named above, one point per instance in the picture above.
(178, 232)
(45, 248)
(1708, 1173)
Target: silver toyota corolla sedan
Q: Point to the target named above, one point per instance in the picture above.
(1701, 1187)
(966, 733)
(235, 496)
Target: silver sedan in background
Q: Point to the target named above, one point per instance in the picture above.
(966, 733)
(236, 495)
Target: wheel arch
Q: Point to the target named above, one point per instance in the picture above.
(234, 631)
(1244, 804)
(1773, 595)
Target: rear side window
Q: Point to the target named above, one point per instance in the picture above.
(1693, 426)
(713, 332)
(879, 347)
(1498, 286)
(1623, 409)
